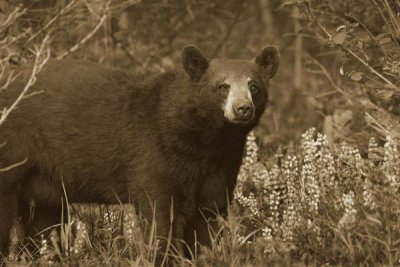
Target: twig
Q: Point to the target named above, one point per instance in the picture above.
(37, 67)
(33, 93)
(298, 52)
(7, 23)
(378, 127)
(326, 94)
(125, 4)
(11, 78)
(328, 76)
(352, 19)
(85, 39)
(230, 29)
(393, 19)
(124, 48)
(12, 166)
(12, 17)
(90, 8)
(304, 35)
(48, 24)
(371, 69)
(7, 42)
(3, 144)
(184, 22)
(385, 19)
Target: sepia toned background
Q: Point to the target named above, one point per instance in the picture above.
(328, 49)
(328, 199)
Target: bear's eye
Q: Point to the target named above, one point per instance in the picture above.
(223, 86)
(253, 89)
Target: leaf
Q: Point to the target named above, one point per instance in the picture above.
(363, 36)
(339, 37)
(385, 94)
(340, 28)
(292, 2)
(123, 21)
(374, 220)
(356, 76)
(289, 3)
(385, 40)
(390, 86)
(380, 36)
(341, 70)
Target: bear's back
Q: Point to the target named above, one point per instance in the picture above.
(81, 118)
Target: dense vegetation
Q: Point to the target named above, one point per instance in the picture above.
(319, 184)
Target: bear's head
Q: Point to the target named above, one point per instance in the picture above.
(232, 91)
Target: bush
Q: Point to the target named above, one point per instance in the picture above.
(319, 201)
(325, 203)
(355, 47)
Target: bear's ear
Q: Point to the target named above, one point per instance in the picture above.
(268, 60)
(194, 62)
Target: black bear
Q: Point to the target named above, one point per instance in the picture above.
(106, 135)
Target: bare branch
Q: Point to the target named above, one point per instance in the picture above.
(328, 76)
(12, 17)
(228, 33)
(13, 166)
(371, 69)
(10, 78)
(51, 22)
(42, 55)
(354, 55)
(84, 39)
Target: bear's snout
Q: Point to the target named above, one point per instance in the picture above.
(240, 111)
(244, 111)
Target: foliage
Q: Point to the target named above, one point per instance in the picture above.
(355, 45)
(320, 201)
(324, 205)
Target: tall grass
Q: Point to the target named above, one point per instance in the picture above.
(323, 205)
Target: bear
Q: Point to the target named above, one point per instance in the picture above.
(104, 135)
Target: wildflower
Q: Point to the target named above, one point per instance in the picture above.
(349, 217)
(251, 151)
(81, 237)
(367, 195)
(249, 202)
(45, 252)
(44, 247)
(130, 226)
(375, 153)
(310, 189)
(391, 164)
(267, 233)
(242, 240)
(291, 216)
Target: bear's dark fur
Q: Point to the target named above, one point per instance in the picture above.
(108, 136)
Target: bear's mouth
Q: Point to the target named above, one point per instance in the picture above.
(233, 118)
(238, 121)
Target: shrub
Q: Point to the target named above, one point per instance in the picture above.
(325, 203)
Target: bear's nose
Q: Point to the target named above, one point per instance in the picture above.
(243, 110)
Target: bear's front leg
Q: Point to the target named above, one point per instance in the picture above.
(213, 200)
(200, 231)
(8, 214)
(165, 226)
(202, 228)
